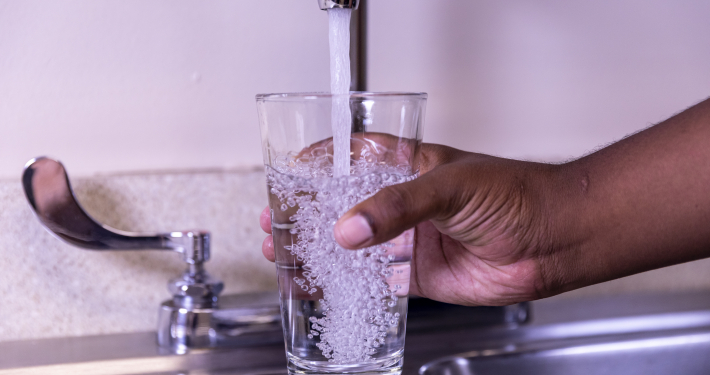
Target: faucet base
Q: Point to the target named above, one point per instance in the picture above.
(237, 320)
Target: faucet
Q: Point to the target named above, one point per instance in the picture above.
(195, 316)
(347, 4)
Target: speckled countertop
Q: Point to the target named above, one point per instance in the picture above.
(51, 289)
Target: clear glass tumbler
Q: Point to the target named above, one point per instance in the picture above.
(343, 311)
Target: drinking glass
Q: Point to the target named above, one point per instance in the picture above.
(343, 311)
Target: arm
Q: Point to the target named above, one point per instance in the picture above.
(639, 204)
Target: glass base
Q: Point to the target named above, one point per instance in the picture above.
(390, 365)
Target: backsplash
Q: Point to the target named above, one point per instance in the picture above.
(51, 289)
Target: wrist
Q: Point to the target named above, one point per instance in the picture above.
(562, 194)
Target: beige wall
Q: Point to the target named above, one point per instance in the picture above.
(124, 85)
(127, 85)
(542, 79)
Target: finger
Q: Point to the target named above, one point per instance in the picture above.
(400, 207)
(265, 220)
(267, 247)
(395, 209)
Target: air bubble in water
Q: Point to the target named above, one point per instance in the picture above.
(356, 298)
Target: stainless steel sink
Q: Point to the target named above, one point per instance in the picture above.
(637, 334)
(646, 343)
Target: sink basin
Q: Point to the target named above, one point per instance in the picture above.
(678, 354)
(650, 344)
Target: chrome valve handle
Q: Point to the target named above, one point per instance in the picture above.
(49, 193)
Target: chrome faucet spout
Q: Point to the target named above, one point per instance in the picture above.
(347, 4)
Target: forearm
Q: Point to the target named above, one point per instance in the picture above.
(639, 204)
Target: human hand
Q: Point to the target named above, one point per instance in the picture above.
(481, 235)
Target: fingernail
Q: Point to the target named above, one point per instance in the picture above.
(354, 231)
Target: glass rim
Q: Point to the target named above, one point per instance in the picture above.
(300, 96)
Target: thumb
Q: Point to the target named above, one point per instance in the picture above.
(393, 210)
